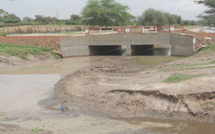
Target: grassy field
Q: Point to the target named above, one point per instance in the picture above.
(22, 51)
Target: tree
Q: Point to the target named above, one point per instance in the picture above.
(74, 20)
(75, 17)
(209, 16)
(157, 17)
(11, 18)
(50, 20)
(2, 14)
(8, 18)
(153, 17)
(39, 18)
(46, 20)
(105, 13)
(27, 19)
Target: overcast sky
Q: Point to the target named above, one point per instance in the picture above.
(22, 8)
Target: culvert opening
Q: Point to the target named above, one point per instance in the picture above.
(152, 50)
(142, 49)
(105, 50)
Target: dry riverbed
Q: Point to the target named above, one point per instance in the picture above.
(132, 87)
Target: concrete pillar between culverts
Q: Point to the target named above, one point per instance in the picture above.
(128, 50)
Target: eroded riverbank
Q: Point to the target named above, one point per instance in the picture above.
(123, 89)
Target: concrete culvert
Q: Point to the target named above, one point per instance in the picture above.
(150, 50)
(162, 51)
(105, 50)
(142, 49)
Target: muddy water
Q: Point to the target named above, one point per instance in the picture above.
(22, 103)
(20, 96)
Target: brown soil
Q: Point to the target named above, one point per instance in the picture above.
(126, 90)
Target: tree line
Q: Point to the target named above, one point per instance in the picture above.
(159, 18)
(112, 13)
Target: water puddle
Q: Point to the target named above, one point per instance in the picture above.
(164, 126)
(22, 92)
(19, 100)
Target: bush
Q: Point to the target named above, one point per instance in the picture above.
(2, 33)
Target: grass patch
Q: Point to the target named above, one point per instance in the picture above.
(192, 65)
(187, 66)
(22, 51)
(36, 130)
(207, 59)
(177, 77)
(208, 49)
(191, 68)
(212, 62)
(155, 60)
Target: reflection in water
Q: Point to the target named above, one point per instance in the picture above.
(71, 65)
(165, 126)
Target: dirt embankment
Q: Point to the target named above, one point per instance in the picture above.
(127, 90)
(41, 41)
(8, 63)
(204, 41)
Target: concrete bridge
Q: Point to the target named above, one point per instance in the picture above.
(131, 44)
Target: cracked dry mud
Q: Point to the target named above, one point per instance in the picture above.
(124, 90)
